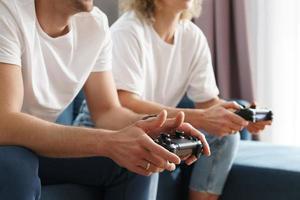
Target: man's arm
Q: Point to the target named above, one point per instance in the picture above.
(104, 106)
(106, 111)
(53, 140)
(43, 137)
(213, 116)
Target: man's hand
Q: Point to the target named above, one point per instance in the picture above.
(190, 130)
(174, 124)
(133, 149)
(221, 121)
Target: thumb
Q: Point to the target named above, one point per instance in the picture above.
(153, 122)
(231, 105)
(253, 104)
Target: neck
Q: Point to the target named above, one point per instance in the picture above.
(53, 17)
(165, 24)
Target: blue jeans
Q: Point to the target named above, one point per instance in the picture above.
(209, 173)
(22, 173)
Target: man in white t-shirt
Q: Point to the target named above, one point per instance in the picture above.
(49, 50)
(158, 56)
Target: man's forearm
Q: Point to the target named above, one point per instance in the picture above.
(117, 118)
(49, 139)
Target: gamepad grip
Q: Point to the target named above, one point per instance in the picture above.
(180, 144)
(255, 115)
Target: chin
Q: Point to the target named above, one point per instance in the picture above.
(84, 5)
(189, 4)
(185, 4)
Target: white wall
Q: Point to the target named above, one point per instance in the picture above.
(274, 28)
(109, 7)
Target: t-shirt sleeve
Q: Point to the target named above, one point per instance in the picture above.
(127, 63)
(202, 85)
(10, 40)
(103, 62)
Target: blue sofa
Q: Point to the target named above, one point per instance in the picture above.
(261, 171)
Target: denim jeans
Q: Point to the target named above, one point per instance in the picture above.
(209, 173)
(22, 173)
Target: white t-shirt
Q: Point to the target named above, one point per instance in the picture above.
(53, 69)
(157, 71)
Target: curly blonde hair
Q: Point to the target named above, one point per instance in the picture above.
(145, 9)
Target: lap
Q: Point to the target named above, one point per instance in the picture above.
(94, 171)
(22, 165)
(114, 181)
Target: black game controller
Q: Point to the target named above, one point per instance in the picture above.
(180, 144)
(255, 115)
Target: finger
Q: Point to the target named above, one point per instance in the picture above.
(234, 127)
(154, 169)
(169, 166)
(185, 158)
(148, 166)
(190, 130)
(173, 123)
(154, 159)
(158, 150)
(253, 130)
(231, 105)
(258, 125)
(253, 104)
(169, 125)
(237, 119)
(269, 122)
(261, 127)
(153, 122)
(190, 160)
(166, 166)
(141, 171)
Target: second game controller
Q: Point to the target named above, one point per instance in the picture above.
(255, 115)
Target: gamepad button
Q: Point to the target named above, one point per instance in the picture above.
(179, 134)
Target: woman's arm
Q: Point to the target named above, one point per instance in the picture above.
(213, 116)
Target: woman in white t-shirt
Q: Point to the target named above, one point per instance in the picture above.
(158, 56)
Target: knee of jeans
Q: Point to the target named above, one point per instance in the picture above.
(145, 185)
(19, 172)
(230, 143)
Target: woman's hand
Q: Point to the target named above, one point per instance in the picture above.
(220, 120)
(258, 127)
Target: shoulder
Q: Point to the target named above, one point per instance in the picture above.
(13, 13)
(129, 25)
(96, 19)
(13, 9)
(192, 31)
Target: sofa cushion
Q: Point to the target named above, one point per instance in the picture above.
(264, 171)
